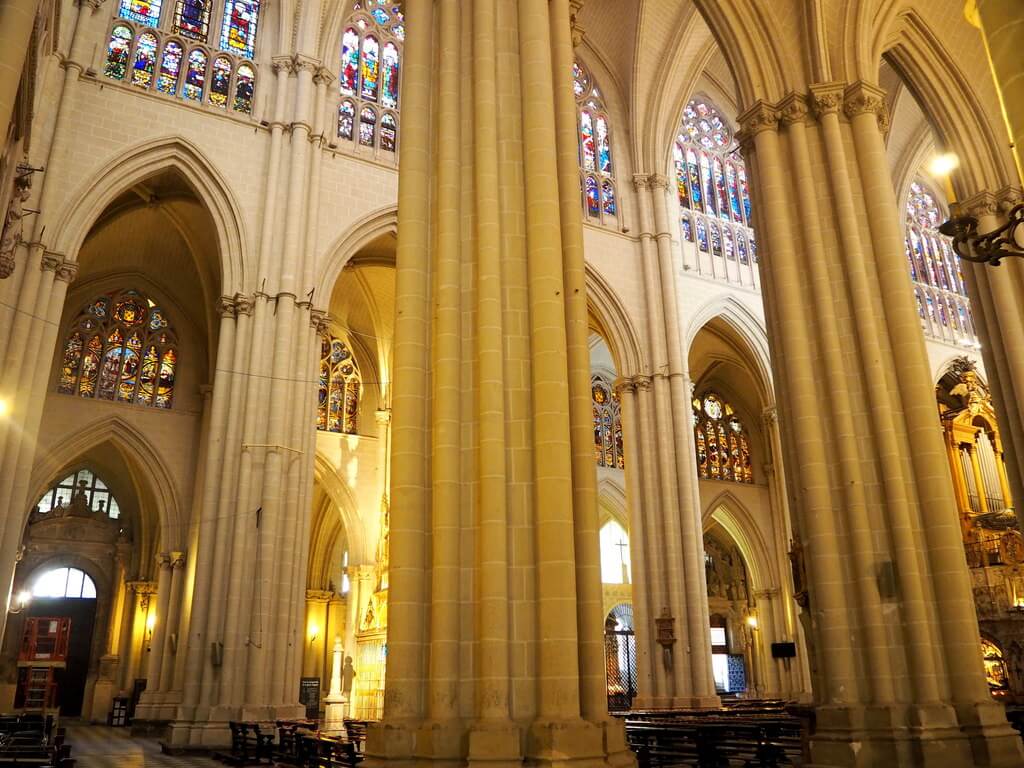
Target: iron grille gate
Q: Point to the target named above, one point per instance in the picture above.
(620, 658)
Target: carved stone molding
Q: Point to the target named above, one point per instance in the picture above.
(1009, 198)
(323, 76)
(177, 560)
(243, 305)
(770, 416)
(981, 205)
(66, 271)
(163, 560)
(319, 595)
(621, 385)
(319, 321)
(643, 382)
(226, 306)
(657, 181)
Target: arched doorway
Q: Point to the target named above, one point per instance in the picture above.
(53, 662)
(620, 657)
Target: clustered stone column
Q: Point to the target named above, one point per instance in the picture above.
(670, 602)
(493, 536)
(246, 628)
(997, 303)
(872, 500)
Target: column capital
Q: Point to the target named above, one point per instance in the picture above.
(794, 109)
(984, 203)
(827, 98)
(163, 561)
(323, 76)
(142, 587)
(577, 29)
(642, 382)
(622, 384)
(319, 595)
(303, 63)
(766, 594)
(861, 97)
(226, 306)
(64, 268)
(770, 415)
(177, 560)
(1010, 197)
(383, 416)
(243, 305)
(282, 64)
(319, 321)
(761, 116)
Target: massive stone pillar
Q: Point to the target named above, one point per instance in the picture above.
(494, 625)
(16, 20)
(892, 613)
(675, 580)
(1002, 29)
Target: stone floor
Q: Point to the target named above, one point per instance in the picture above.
(97, 746)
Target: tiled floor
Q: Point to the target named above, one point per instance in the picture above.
(97, 746)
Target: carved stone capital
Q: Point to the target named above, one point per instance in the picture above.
(981, 205)
(794, 109)
(860, 98)
(640, 181)
(50, 262)
(826, 98)
(383, 416)
(66, 271)
(301, 63)
(282, 64)
(622, 385)
(761, 116)
(1010, 198)
(319, 321)
(318, 595)
(177, 560)
(657, 181)
(226, 306)
(163, 561)
(770, 416)
(577, 29)
(142, 587)
(642, 382)
(243, 305)
(323, 76)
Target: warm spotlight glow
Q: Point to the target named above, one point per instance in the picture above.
(943, 165)
(150, 622)
(752, 622)
(313, 631)
(3, 407)
(23, 598)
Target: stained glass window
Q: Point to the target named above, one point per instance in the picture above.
(607, 423)
(118, 50)
(712, 181)
(723, 446)
(92, 490)
(195, 76)
(170, 69)
(245, 84)
(192, 18)
(145, 60)
(595, 148)
(370, 73)
(121, 348)
(220, 81)
(935, 269)
(339, 387)
(145, 12)
(238, 32)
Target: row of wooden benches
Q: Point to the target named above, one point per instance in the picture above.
(715, 740)
(31, 741)
(297, 743)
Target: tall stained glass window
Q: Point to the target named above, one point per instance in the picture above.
(936, 271)
(711, 184)
(607, 423)
(120, 348)
(723, 446)
(340, 384)
(597, 172)
(370, 73)
(171, 56)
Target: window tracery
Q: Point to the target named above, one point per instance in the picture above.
(711, 184)
(340, 383)
(370, 73)
(92, 491)
(597, 173)
(121, 348)
(64, 582)
(939, 288)
(723, 445)
(149, 44)
(608, 450)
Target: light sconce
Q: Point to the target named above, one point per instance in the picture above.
(150, 624)
(21, 601)
(969, 244)
(752, 621)
(314, 632)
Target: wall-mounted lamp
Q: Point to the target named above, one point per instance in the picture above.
(20, 601)
(314, 632)
(150, 624)
(752, 621)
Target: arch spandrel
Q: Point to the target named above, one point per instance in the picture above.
(134, 166)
